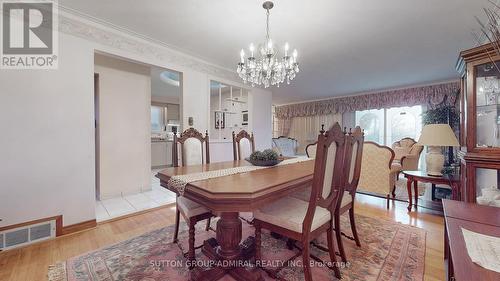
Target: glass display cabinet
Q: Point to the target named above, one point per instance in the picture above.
(480, 125)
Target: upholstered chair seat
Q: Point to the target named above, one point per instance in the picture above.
(189, 208)
(289, 213)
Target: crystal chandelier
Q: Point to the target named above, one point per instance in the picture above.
(268, 69)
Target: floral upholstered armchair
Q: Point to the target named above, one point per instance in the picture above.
(407, 154)
(378, 174)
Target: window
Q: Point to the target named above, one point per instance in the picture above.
(372, 121)
(403, 122)
(385, 126)
(157, 119)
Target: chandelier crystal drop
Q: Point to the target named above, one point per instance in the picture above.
(265, 66)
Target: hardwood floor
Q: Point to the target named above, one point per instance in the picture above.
(30, 263)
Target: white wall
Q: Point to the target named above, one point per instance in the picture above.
(47, 121)
(47, 143)
(260, 102)
(195, 98)
(125, 127)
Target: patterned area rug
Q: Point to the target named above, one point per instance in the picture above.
(389, 251)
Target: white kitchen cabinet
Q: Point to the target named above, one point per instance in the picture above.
(161, 153)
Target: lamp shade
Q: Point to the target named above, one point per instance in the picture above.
(438, 135)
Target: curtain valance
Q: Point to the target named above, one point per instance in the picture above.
(432, 96)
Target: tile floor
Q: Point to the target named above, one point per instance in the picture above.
(115, 207)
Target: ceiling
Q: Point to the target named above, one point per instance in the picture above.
(345, 47)
(164, 83)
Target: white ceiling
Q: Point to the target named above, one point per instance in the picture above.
(345, 47)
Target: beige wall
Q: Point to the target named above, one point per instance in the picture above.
(173, 100)
(125, 125)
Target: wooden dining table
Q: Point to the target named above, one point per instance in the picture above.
(226, 197)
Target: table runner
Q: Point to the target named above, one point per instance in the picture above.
(179, 182)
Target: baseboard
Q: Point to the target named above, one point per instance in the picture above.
(69, 229)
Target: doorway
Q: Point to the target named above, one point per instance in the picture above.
(124, 92)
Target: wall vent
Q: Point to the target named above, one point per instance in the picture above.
(26, 235)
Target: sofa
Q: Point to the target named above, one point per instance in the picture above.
(285, 146)
(378, 174)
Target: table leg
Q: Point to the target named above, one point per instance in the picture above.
(227, 252)
(415, 189)
(228, 235)
(408, 188)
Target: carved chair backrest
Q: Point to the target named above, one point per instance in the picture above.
(328, 176)
(312, 147)
(311, 150)
(243, 145)
(192, 147)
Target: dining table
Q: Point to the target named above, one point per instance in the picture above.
(227, 196)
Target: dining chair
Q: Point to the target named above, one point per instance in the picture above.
(191, 145)
(305, 221)
(243, 145)
(352, 167)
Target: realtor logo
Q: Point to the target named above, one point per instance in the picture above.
(29, 35)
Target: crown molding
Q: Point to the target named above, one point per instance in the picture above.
(96, 30)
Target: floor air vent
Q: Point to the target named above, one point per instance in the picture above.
(28, 234)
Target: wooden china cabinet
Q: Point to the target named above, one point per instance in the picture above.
(480, 120)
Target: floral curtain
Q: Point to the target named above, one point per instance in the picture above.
(432, 96)
(284, 126)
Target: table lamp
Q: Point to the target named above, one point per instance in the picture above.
(434, 136)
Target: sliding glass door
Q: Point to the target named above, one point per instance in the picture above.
(386, 126)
